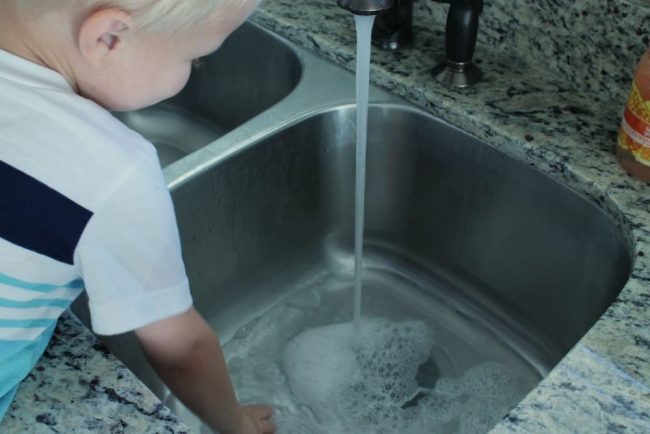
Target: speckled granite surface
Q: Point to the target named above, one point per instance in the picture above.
(557, 73)
(79, 387)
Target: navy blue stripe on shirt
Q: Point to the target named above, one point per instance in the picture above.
(38, 218)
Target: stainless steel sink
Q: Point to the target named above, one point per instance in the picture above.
(251, 72)
(507, 264)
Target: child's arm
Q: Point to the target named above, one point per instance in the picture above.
(187, 355)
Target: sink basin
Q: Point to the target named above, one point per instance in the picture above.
(505, 263)
(252, 71)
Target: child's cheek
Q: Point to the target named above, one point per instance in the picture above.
(179, 79)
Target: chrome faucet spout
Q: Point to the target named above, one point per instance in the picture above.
(365, 7)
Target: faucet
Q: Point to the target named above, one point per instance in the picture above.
(365, 7)
(393, 30)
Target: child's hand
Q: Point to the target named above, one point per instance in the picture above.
(257, 419)
(186, 353)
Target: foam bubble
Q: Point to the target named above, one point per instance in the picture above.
(473, 403)
(362, 389)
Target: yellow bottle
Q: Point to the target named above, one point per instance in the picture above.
(634, 136)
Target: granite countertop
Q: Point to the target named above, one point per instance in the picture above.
(78, 386)
(557, 74)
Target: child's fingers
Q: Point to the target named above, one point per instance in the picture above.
(263, 415)
(268, 426)
(261, 412)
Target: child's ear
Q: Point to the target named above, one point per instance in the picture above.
(102, 33)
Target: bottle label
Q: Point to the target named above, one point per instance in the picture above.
(634, 135)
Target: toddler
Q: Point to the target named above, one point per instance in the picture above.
(84, 205)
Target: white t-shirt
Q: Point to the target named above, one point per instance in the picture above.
(83, 205)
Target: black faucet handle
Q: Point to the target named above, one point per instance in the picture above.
(365, 7)
(462, 28)
(458, 70)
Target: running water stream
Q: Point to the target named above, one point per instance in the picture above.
(364, 29)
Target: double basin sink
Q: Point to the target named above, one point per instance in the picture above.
(258, 152)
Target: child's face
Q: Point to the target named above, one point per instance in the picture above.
(157, 66)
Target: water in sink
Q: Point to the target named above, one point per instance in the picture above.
(421, 367)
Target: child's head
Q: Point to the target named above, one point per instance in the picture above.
(124, 54)
(154, 15)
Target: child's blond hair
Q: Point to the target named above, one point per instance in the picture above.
(162, 15)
